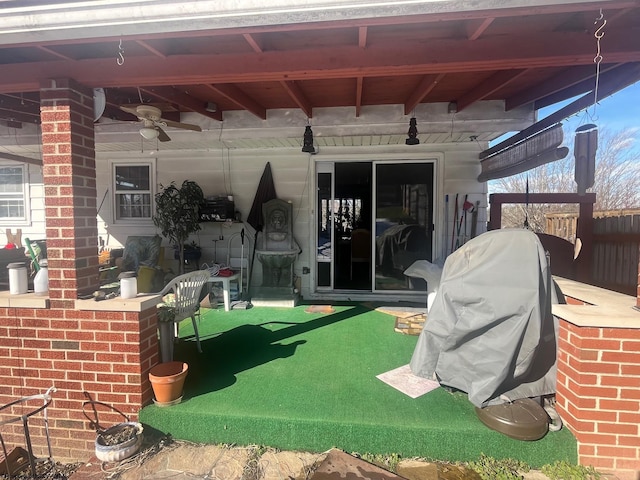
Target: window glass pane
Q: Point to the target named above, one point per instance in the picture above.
(132, 189)
(133, 205)
(12, 199)
(324, 227)
(11, 208)
(134, 177)
(11, 180)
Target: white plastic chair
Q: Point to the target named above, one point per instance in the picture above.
(186, 289)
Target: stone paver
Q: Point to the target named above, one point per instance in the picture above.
(276, 465)
(193, 461)
(417, 470)
(182, 460)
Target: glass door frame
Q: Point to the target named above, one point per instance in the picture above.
(327, 165)
(324, 167)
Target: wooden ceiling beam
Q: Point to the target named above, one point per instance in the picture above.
(426, 18)
(427, 84)
(618, 14)
(490, 85)
(149, 48)
(11, 115)
(253, 43)
(442, 56)
(187, 102)
(475, 28)
(557, 83)
(358, 102)
(362, 36)
(20, 158)
(50, 51)
(298, 96)
(26, 98)
(241, 99)
(585, 86)
(14, 104)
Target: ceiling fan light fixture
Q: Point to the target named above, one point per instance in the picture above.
(149, 133)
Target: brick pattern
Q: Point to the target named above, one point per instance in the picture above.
(69, 175)
(598, 396)
(412, 325)
(86, 355)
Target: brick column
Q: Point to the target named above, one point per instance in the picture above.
(87, 350)
(69, 175)
(598, 396)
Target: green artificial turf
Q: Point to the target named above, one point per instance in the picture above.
(307, 381)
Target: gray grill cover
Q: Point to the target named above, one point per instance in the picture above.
(490, 331)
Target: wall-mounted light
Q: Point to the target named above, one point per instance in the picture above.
(307, 143)
(211, 107)
(149, 133)
(413, 132)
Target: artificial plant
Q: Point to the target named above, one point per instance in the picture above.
(177, 213)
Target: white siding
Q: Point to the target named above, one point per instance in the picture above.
(34, 228)
(237, 172)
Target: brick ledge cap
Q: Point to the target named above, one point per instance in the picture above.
(138, 304)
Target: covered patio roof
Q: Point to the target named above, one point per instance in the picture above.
(220, 60)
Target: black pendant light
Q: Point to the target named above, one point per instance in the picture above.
(413, 133)
(307, 143)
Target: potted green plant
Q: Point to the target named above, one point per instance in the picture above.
(177, 213)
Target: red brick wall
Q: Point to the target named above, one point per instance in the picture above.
(86, 355)
(69, 175)
(598, 394)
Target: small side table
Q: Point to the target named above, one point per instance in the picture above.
(226, 287)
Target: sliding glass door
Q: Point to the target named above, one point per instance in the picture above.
(403, 222)
(373, 219)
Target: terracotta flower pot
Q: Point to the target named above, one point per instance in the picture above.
(167, 380)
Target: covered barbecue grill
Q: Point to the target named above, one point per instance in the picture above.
(490, 331)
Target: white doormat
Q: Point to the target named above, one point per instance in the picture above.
(402, 379)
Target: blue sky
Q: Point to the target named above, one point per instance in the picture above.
(618, 112)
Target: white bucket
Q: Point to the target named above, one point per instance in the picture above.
(128, 285)
(18, 282)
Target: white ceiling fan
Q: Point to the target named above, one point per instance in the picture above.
(153, 122)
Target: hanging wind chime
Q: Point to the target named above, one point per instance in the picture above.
(586, 138)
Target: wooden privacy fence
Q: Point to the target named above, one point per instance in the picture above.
(616, 246)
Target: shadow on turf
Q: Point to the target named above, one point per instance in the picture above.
(244, 347)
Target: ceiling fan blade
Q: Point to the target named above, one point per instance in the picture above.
(185, 126)
(130, 110)
(162, 135)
